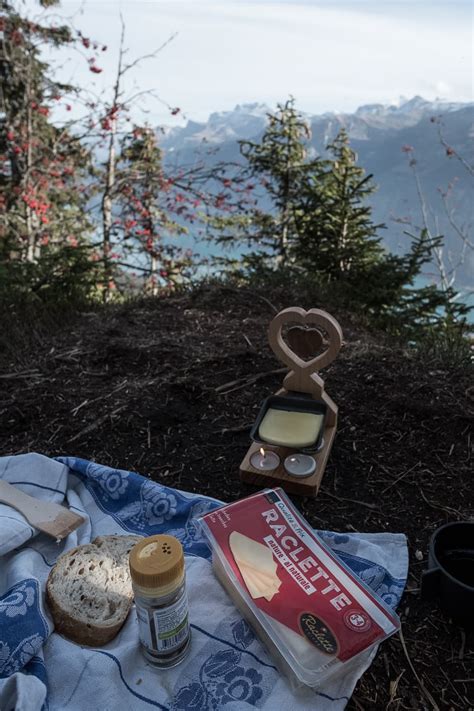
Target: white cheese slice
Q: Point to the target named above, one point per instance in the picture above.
(255, 587)
(271, 581)
(248, 551)
(267, 589)
(256, 564)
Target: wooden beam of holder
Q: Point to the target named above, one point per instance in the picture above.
(303, 378)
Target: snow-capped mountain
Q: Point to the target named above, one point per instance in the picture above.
(247, 121)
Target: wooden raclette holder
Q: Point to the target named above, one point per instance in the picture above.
(302, 378)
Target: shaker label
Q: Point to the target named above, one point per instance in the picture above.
(144, 626)
(166, 629)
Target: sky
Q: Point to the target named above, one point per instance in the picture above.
(330, 55)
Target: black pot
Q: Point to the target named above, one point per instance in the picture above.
(450, 574)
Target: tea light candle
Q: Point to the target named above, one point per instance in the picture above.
(266, 461)
(300, 465)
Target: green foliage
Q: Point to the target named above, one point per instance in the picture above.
(278, 164)
(63, 274)
(337, 237)
(448, 345)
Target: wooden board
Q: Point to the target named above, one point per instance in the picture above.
(305, 338)
(279, 477)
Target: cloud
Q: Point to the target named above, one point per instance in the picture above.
(334, 55)
(443, 88)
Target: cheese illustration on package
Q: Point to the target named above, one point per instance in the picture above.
(256, 564)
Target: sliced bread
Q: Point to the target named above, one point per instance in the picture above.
(89, 590)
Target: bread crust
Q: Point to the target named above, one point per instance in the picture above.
(88, 634)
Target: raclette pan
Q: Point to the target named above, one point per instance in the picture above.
(293, 402)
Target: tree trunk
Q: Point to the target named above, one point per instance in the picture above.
(107, 198)
(107, 212)
(153, 272)
(31, 248)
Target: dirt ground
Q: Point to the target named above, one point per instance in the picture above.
(168, 388)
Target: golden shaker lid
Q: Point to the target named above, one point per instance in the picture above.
(157, 562)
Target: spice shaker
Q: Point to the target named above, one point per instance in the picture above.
(159, 586)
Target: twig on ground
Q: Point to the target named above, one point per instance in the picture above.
(451, 684)
(402, 476)
(249, 343)
(243, 382)
(234, 430)
(23, 374)
(463, 646)
(393, 688)
(433, 505)
(69, 355)
(351, 501)
(357, 703)
(97, 423)
(421, 685)
(121, 385)
(266, 301)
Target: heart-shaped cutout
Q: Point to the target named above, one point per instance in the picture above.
(307, 343)
(313, 317)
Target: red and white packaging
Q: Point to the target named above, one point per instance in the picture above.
(311, 611)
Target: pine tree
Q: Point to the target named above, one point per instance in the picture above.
(41, 197)
(275, 170)
(339, 245)
(337, 236)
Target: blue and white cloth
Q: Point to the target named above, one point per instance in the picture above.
(227, 668)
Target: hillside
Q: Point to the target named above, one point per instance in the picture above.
(377, 134)
(167, 388)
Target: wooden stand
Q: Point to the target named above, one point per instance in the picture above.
(302, 378)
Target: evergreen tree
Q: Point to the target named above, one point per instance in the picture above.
(337, 236)
(278, 164)
(339, 245)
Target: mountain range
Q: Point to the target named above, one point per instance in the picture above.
(385, 139)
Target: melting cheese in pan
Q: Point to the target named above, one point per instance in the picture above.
(290, 429)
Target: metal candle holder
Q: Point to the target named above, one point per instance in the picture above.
(304, 386)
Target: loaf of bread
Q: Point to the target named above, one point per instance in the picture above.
(89, 590)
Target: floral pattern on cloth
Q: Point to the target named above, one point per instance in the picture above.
(21, 614)
(145, 507)
(227, 675)
(377, 578)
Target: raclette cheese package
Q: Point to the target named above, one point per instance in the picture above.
(313, 614)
